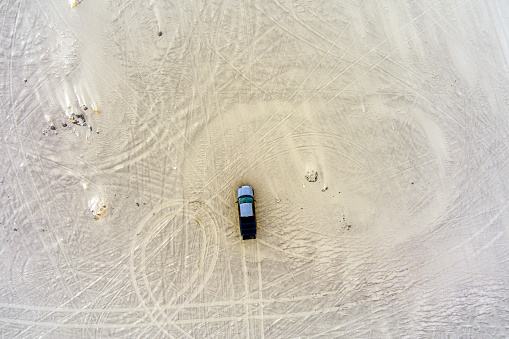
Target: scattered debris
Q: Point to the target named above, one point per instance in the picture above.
(346, 226)
(85, 107)
(278, 200)
(99, 214)
(76, 3)
(78, 119)
(311, 176)
(15, 230)
(137, 204)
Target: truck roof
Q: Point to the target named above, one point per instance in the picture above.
(246, 210)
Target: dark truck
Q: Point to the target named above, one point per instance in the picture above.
(247, 218)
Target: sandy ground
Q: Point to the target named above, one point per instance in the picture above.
(127, 127)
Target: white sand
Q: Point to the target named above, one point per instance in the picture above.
(130, 229)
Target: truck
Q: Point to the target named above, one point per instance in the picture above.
(247, 216)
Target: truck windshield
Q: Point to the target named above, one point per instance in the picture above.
(245, 200)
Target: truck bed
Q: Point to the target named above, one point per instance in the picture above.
(248, 227)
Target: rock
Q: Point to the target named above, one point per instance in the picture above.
(311, 176)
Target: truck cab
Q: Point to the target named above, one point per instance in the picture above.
(247, 218)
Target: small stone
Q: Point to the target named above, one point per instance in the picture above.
(278, 200)
(53, 128)
(85, 108)
(15, 230)
(160, 33)
(325, 189)
(64, 124)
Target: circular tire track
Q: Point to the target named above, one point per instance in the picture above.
(391, 152)
(158, 265)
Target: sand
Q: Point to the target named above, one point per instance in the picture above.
(127, 127)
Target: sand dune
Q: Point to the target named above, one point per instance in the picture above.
(127, 127)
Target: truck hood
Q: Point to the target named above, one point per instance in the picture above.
(244, 190)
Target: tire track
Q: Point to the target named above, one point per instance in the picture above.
(317, 91)
(12, 52)
(245, 273)
(260, 289)
(159, 311)
(142, 248)
(282, 121)
(32, 184)
(125, 85)
(303, 143)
